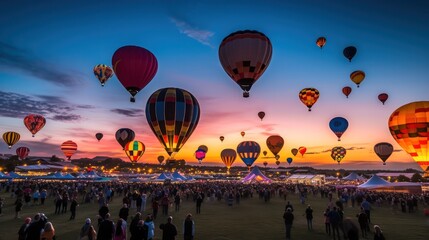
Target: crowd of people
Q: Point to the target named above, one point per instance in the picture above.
(147, 198)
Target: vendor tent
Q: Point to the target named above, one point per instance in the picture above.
(256, 176)
(374, 182)
(353, 177)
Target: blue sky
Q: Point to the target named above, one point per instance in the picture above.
(48, 50)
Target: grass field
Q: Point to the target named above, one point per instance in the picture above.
(251, 219)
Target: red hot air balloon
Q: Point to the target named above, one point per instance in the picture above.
(383, 97)
(245, 55)
(135, 67)
(34, 122)
(302, 150)
(320, 42)
(261, 115)
(69, 148)
(347, 90)
(22, 152)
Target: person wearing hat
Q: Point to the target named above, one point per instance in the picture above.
(22, 233)
(378, 234)
(169, 230)
(288, 218)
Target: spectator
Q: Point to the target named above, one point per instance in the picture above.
(188, 228)
(309, 216)
(48, 232)
(378, 234)
(169, 230)
(23, 228)
(288, 218)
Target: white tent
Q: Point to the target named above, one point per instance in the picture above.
(353, 177)
(374, 182)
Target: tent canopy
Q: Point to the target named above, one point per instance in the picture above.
(374, 182)
(256, 176)
(353, 177)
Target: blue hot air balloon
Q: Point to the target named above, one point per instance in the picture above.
(248, 152)
(289, 160)
(338, 125)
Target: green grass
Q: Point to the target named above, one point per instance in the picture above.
(251, 219)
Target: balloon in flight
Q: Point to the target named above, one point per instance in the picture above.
(10, 138)
(200, 154)
(302, 150)
(228, 156)
(261, 115)
(248, 152)
(289, 160)
(103, 73)
(346, 91)
(69, 148)
(222, 138)
(98, 136)
(338, 153)
(357, 77)
(349, 52)
(383, 97)
(383, 151)
(22, 152)
(309, 97)
(124, 136)
(161, 159)
(134, 150)
(338, 125)
(320, 42)
(34, 123)
(294, 151)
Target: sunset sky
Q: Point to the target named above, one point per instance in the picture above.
(48, 50)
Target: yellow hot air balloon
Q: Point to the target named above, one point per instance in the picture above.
(357, 77)
(228, 156)
(134, 150)
(10, 138)
(309, 97)
(409, 126)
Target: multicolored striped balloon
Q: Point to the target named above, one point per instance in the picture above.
(309, 97)
(103, 73)
(248, 152)
(134, 150)
(22, 152)
(11, 138)
(69, 148)
(383, 151)
(357, 77)
(338, 153)
(228, 157)
(34, 123)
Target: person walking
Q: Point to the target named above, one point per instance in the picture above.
(169, 230)
(309, 217)
(188, 228)
(288, 218)
(18, 207)
(124, 212)
(85, 228)
(134, 231)
(120, 231)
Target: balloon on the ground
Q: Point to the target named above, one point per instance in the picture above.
(320, 42)
(338, 125)
(309, 97)
(245, 55)
(69, 148)
(294, 151)
(34, 123)
(357, 77)
(302, 150)
(124, 136)
(103, 73)
(409, 126)
(228, 156)
(289, 160)
(10, 138)
(383, 151)
(346, 91)
(173, 115)
(134, 67)
(338, 153)
(134, 150)
(383, 97)
(261, 115)
(22, 152)
(98, 136)
(248, 152)
(161, 159)
(349, 52)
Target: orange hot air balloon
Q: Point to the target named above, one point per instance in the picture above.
(242, 134)
(103, 73)
(357, 77)
(222, 138)
(261, 115)
(275, 144)
(320, 42)
(309, 97)
(245, 55)
(302, 150)
(294, 151)
(161, 159)
(34, 122)
(228, 157)
(383, 97)
(347, 90)
(409, 126)
(69, 148)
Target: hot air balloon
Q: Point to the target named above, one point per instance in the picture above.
(289, 160)
(409, 126)
(309, 96)
(261, 115)
(245, 55)
(383, 151)
(242, 134)
(347, 90)
(10, 138)
(349, 52)
(338, 153)
(277, 157)
(134, 150)
(34, 122)
(265, 153)
(69, 148)
(221, 138)
(248, 152)
(383, 97)
(294, 151)
(22, 152)
(160, 159)
(265, 163)
(103, 73)
(134, 67)
(99, 136)
(200, 154)
(204, 148)
(338, 125)
(275, 144)
(277, 162)
(302, 150)
(357, 77)
(228, 156)
(320, 42)
(124, 136)
(172, 114)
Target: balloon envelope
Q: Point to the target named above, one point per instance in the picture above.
(302, 150)
(261, 115)
(289, 160)
(124, 136)
(161, 159)
(277, 162)
(10, 138)
(34, 122)
(265, 153)
(242, 134)
(383, 97)
(309, 97)
(275, 144)
(338, 153)
(222, 138)
(265, 163)
(99, 136)
(248, 152)
(409, 126)
(357, 77)
(228, 157)
(135, 67)
(173, 115)
(383, 151)
(69, 148)
(204, 148)
(200, 154)
(22, 152)
(134, 150)
(349, 52)
(245, 55)
(321, 41)
(338, 125)
(347, 90)
(103, 73)
(294, 151)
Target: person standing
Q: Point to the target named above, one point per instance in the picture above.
(177, 202)
(327, 223)
(124, 212)
(22, 233)
(169, 230)
(65, 202)
(134, 231)
(18, 207)
(106, 229)
(367, 207)
(288, 218)
(378, 234)
(43, 195)
(150, 227)
(199, 201)
(334, 220)
(120, 231)
(363, 222)
(188, 228)
(73, 207)
(58, 202)
(85, 228)
(48, 232)
(309, 217)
